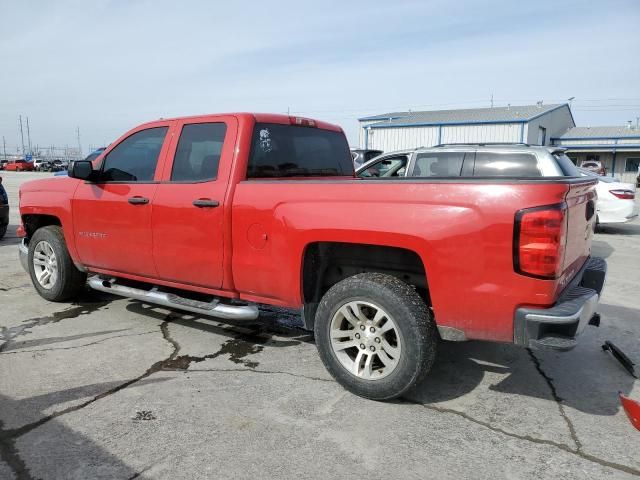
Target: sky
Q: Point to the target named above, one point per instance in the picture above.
(105, 66)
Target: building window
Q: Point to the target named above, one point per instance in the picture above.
(632, 165)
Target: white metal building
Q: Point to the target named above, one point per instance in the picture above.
(618, 148)
(532, 124)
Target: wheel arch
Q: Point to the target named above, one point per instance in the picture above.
(325, 263)
(33, 222)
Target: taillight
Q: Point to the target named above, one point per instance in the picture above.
(303, 122)
(539, 241)
(623, 194)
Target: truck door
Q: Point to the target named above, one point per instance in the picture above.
(112, 215)
(188, 210)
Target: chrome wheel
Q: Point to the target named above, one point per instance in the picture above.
(365, 339)
(45, 264)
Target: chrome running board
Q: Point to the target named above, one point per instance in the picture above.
(212, 309)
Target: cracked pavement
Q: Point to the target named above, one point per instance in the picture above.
(113, 388)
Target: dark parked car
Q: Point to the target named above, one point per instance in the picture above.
(4, 210)
(57, 166)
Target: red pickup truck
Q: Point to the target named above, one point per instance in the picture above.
(217, 214)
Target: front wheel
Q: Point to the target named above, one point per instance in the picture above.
(52, 271)
(375, 335)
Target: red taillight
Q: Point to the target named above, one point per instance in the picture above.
(303, 122)
(623, 194)
(539, 241)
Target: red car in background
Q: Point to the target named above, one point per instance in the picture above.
(19, 166)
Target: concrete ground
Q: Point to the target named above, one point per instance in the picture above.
(112, 388)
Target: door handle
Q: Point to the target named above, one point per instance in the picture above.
(138, 200)
(205, 203)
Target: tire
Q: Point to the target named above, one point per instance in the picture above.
(66, 281)
(411, 343)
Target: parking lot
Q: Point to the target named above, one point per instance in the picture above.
(113, 388)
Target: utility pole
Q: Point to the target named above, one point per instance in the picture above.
(29, 138)
(492, 100)
(21, 133)
(4, 147)
(79, 146)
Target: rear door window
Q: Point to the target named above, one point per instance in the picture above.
(296, 151)
(198, 153)
(438, 164)
(497, 164)
(135, 158)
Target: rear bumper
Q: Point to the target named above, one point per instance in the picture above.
(558, 326)
(23, 252)
(621, 211)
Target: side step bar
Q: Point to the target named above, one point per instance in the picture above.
(213, 309)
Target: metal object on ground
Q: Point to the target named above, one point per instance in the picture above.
(632, 409)
(619, 355)
(212, 309)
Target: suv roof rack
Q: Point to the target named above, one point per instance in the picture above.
(481, 144)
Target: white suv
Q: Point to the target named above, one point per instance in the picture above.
(472, 160)
(40, 165)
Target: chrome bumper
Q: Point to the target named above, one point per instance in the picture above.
(23, 252)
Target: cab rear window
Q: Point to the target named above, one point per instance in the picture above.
(297, 151)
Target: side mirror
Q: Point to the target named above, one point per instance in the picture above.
(81, 169)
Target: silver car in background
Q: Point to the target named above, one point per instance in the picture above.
(472, 160)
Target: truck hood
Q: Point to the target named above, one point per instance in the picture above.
(52, 189)
(51, 184)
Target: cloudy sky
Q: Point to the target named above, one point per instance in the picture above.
(105, 66)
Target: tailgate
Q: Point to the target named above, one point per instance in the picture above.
(581, 217)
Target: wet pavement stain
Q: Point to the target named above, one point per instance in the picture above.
(8, 334)
(144, 415)
(236, 348)
(245, 342)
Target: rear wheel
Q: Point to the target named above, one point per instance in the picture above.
(52, 271)
(375, 335)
